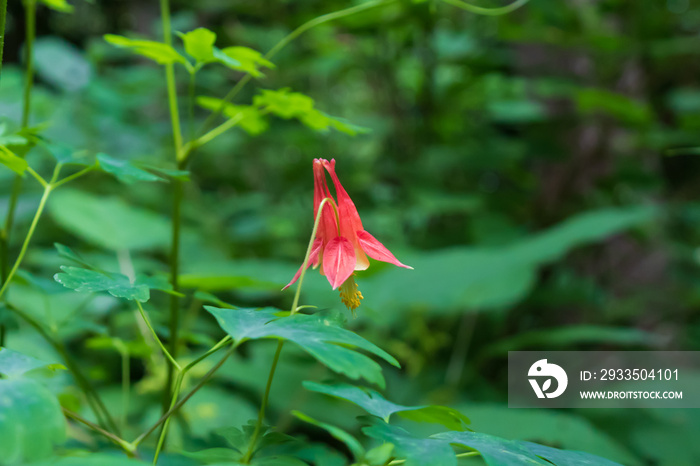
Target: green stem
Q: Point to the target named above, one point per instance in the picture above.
(30, 22)
(177, 201)
(30, 17)
(27, 239)
(126, 446)
(190, 103)
(170, 75)
(96, 404)
(295, 304)
(286, 40)
(174, 274)
(166, 353)
(177, 405)
(74, 176)
(126, 388)
(487, 11)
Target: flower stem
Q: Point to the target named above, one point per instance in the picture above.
(275, 360)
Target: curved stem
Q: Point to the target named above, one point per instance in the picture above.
(295, 304)
(289, 38)
(91, 395)
(174, 407)
(166, 353)
(27, 239)
(30, 25)
(128, 448)
(487, 11)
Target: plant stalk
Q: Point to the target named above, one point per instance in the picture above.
(295, 304)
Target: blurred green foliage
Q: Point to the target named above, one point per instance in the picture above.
(519, 163)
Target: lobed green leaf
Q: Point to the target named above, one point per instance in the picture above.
(330, 344)
(124, 170)
(161, 53)
(116, 284)
(376, 405)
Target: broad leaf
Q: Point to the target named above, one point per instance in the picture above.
(248, 60)
(287, 104)
(321, 337)
(11, 161)
(376, 405)
(249, 118)
(14, 363)
(124, 170)
(567, 457)
(32, 421)
(199, 44)
(417, 451)
(108, 222)
(116, 284)
(58, 5)
(157, 51)
(495, 451)
(339, 434)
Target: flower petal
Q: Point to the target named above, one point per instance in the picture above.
(350, 222)
(338, 261)
(377, 250)
(327, 228)
(313, 260)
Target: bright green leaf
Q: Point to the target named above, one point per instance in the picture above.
(244, 59)
(58, 5)
(31, 421)
(159, 52)
(319, 336)
(417, 451)
(124, 170)
(287, 104)
(199, 44)
(250, 118)
(284, 103)
(375, 404)
(116, 284)
(11, 161)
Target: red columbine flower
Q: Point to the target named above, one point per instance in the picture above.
(343, 247)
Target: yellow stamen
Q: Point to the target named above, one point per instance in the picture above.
(350, 295)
